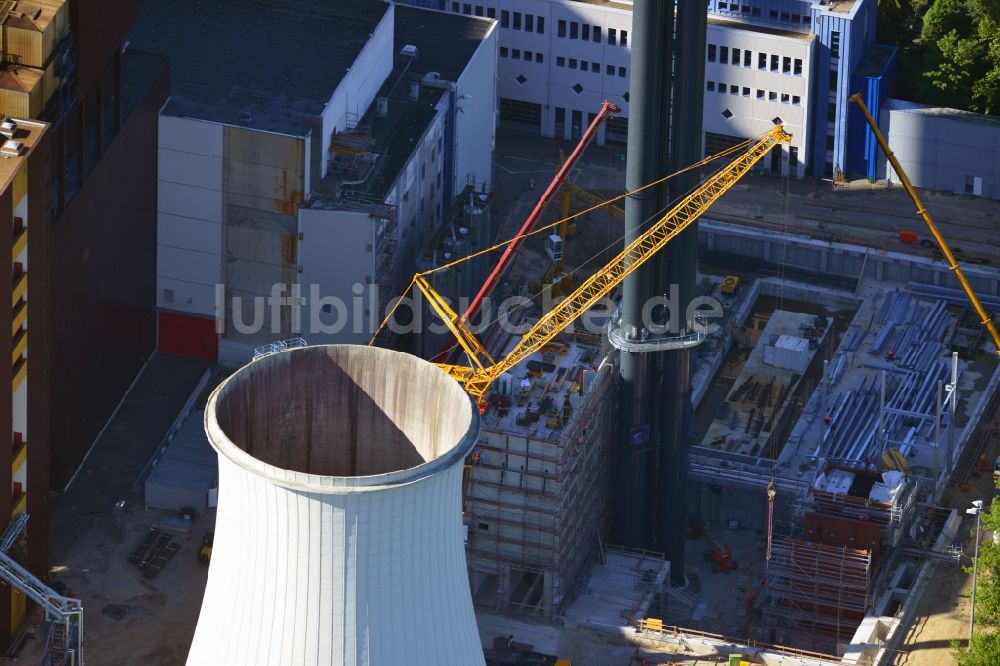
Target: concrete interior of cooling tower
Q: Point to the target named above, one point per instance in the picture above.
(344, 411)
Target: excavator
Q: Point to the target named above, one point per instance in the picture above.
(482, 370)
(985, 319)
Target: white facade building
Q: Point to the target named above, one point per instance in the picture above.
(798, 61)
(258, 204)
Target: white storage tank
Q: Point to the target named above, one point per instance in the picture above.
(339, 532)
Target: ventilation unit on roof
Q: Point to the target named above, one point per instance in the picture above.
(11, 148)
(409, 50)
(8, 128)
(381, 107)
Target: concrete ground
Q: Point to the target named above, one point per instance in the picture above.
(127, 619)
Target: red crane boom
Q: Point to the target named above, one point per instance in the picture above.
(536, 212)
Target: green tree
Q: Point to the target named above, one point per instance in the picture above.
(984, 650)
(959, 53)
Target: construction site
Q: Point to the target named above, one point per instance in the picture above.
(674, 432)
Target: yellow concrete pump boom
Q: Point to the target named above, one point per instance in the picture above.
(984, 317)
(484, 370)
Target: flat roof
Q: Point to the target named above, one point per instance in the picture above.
(445, 44)
(278, 61)
(29, 133)
(959, 115)
(803, 35)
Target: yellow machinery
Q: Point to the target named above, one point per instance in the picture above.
(984, 317)
(730, 284)
(484, 370)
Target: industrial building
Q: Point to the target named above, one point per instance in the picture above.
(795, 60)
(334, 179)
(78, 174)
(943, 149)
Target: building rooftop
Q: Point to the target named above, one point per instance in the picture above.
(750, 26)
(28, 133)
(407, 118)
(277, 61)
(941, 111)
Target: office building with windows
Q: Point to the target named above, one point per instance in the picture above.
(793, 61)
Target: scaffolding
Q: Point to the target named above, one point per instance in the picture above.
(816, 588)
(538, 493)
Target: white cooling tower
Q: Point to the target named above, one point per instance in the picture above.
(338, 535)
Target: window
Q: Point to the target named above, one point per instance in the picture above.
(745, 9)
(529, 22)
(585, 31)
(746, 92)
(798, 67)
(479, 10)
(491, 12)
(529, 56)
(624, 38)
(735, 60)
(796, 100)
(610, 70)
(515, 54)
(784, 16)
(806, 20)
(773, 14)
(772, 96)
(786, 65)
(784, 98)
(612, 36)
(793, 157)
(762, 60)
(710, 86)
(711, 52)
(595, 67)
(583, 65)
(561, 28)
(748, 58)
(539, 58)
(833, 80)
(760, 94)
(723, 5)
(572, 63)
(517, 20)
(829, 142)
(597, 34)
(540, 25)
(734, 90)
(796, 18)
(722, 88)
(454, 7)
(560, 61)
(466, 8)
(835, 44)
(621, 72)
(831, 112)
(774, 63)
(724, 54)
(504, 18)
(503, 51)
(574, 30)
(755, 11)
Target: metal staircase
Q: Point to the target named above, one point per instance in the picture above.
(64, 615)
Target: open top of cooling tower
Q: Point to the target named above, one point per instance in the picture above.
(336, 416)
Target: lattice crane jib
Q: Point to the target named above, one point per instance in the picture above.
(483, 370)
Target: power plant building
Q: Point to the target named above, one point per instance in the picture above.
(329, 166)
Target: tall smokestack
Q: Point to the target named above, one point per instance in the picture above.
(339, 533)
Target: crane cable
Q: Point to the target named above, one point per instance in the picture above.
(724, 153)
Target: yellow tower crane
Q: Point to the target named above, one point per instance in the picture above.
(484, 370)
(985, 319)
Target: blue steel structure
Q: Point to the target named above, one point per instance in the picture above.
(847, 57)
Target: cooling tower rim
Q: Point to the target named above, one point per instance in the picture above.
(317, 483)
